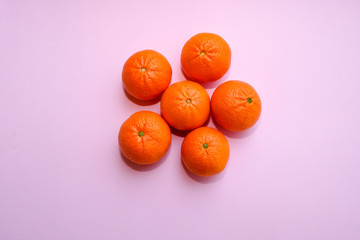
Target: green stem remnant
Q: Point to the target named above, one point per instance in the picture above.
(249, 100)
(188, 100)
(205, 145)
(141, 133)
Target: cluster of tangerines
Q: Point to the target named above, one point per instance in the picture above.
(145, 137)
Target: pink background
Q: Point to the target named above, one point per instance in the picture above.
(294, 176)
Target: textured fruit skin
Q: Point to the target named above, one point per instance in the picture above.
(148, 84)
(211, 65)
(230, 107)
(180, 114)
(152, 146)
(209, 161)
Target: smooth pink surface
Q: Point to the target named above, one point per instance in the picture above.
(294, 176)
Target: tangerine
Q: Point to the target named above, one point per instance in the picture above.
(144, 138)
(205, 57)
(185, 105)
(205, 151)
(146, 74)
(235, 105)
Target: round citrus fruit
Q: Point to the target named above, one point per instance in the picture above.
(185, 105)
(205, 57)
(235, 105)
(144, 138)
(146, 74)
(205, 151)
